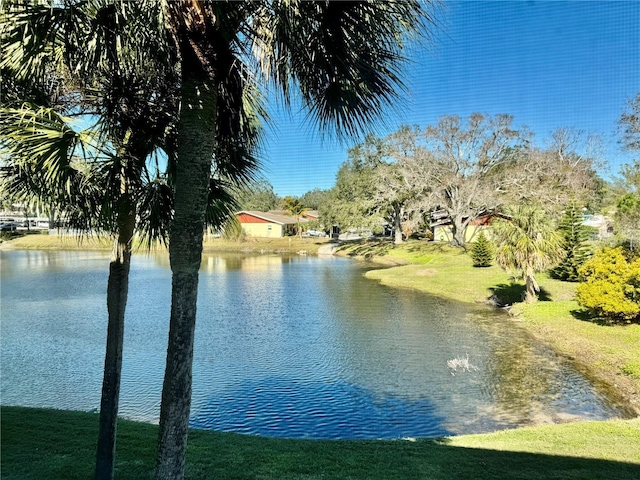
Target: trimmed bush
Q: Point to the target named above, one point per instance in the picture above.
(610, 285)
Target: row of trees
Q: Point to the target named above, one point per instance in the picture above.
(463, 167)
(184, 77)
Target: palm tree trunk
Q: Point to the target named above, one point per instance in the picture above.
(117, 290)
(531, 288)
(196, 142)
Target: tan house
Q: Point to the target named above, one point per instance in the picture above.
(441, 227)
(268, 224)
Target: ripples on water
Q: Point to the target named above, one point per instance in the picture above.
(287, 347)
(275, 407)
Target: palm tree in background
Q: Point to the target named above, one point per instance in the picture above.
(527, 243)
(295, 208)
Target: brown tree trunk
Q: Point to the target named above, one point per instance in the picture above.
(196, 143)
(117, 290)
(457, 232)
(397, 224)
(26, 217)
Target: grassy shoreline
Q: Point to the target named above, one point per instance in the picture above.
(608, 354)
(287, 245)
(39, 443)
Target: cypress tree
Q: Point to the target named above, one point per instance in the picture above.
(482, 252)
(575, 236)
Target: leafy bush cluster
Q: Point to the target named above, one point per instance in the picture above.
(611, 285)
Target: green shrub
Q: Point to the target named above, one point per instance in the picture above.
(482, 252)
(610, 285)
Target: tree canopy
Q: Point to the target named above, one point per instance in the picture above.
(463, 168)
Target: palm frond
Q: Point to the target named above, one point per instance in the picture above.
(47, 160)
(31, 37)
(45, 140)
(345, 57)
(155, 211)
(221, 204)
(527, 240)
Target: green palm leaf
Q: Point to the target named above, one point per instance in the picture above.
(46, 159)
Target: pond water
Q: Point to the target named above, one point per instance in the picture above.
(299, 347)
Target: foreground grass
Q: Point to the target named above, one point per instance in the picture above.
(609, 354)
(56, 444)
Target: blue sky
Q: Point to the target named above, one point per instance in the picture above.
(548, 63)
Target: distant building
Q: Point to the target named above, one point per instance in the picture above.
(441, 227)
(601, 225)
(268, 224)
(311, 215)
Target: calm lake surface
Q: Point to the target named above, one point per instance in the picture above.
(298, 347)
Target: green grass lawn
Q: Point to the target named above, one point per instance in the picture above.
(43, 241)
(47, 444)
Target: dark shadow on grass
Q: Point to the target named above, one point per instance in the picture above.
(584, 315)
(420, 246)
(510, 293)
(58, 444)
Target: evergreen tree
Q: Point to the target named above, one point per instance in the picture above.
(575, 236)
(482, 252)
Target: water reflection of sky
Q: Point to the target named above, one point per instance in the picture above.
(291, 346)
